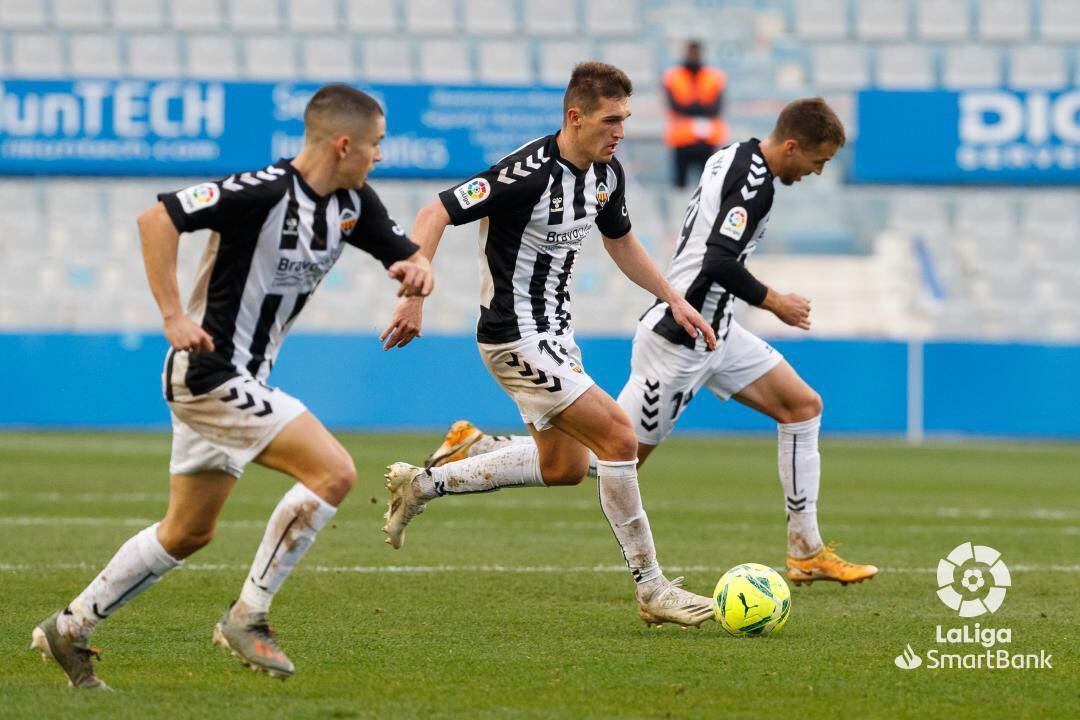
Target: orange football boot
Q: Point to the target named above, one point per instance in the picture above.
(459, 438)
(827, 565)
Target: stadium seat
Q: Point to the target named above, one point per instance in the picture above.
(313, 15)
(196, 14)
(23, 14)
(386, 60)
(943, 19)
(612, 18)
(504, 62)
(372, 16)
(269, 57)
(917, 214)
(985, 212)
(882, 19)
(79, 14)
(254, 14)
(904, 67)
(1059, 20)
(94, 55)
(840, 66)
(36, 54)
(212, 56)
(490, 17)
(326, 57)
(445, 61)
(137, 14)
(153, 55)
(971, 66)
(821, 19)
(1003, 19)
(431, 17)
(551, 18)
(637, 61)
(558, 57)
(1037, 67)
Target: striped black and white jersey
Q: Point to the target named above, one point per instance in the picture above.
(273, 240)
(724, 222)
(536, 211)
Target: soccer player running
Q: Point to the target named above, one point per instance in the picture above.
(276, 233)
(723, 224)
(537, 207)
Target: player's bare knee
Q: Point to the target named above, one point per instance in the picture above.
(183, 542)
(620, 445)
(810, 407)
(806, 406)
(341, 476)
(565, 472)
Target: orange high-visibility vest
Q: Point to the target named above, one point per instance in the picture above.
(703, 87)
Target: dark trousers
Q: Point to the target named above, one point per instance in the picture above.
(691, 157)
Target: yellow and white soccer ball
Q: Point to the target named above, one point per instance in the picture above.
(751, 600)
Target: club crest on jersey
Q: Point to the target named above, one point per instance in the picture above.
(348, 220)
(198, 197)
(472, 192)
(734, 223)
(601, 195)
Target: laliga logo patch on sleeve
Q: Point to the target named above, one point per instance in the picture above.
(472, 192)
(734, 223)
(198, 197)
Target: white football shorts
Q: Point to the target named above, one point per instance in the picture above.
(664, 377)
(543, 374)
(226, 428)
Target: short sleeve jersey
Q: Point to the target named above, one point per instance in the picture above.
(536, 210)
(274, 239)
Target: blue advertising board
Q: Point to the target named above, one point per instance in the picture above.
(993, 136)
(206, 128)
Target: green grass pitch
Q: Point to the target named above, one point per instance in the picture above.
(515, 604)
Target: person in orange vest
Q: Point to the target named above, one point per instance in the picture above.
(695, 129)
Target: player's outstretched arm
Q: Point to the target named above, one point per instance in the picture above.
(406, 324)
(635, 263)
(160, 241)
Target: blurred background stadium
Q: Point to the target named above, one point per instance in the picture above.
(941, 249)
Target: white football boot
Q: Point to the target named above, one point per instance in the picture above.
(404, 503)
(670, 603)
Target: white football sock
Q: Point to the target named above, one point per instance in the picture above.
(620, 499)
(290, 532)
(491, 443)
(515, 465)
(138, 564)
(799, 463)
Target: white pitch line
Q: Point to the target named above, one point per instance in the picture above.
(480, 524)
(510, 502)
(491, 569)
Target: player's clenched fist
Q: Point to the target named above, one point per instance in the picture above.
(183, 334)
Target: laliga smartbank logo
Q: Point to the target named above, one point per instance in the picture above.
(972, 581)
(973, 565)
